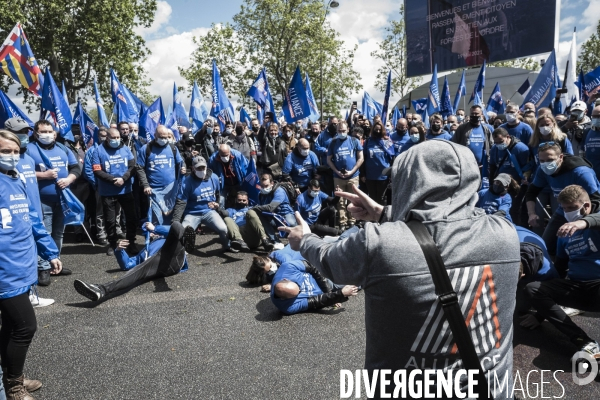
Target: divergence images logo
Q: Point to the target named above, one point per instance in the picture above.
(582, 363)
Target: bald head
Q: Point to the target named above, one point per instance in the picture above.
(304, 143)
(224, 150)
(402, 124)
(286, 289)
(113, 133)
(162, 132)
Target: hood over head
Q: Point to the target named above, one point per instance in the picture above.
(435, 180)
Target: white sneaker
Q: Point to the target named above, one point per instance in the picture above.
(38, 302)
(590, 348)
(330, 239)
(278, 246)
(571, 311)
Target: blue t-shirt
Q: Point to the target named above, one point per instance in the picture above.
(521, 131)
(582, 176)
(26, 169)
(301, 169)
(280, 196)
(443, 135)
(592, 149)
(476, 143)
(582, 251)
(198, 193)
(285, 254)
(310, 207)
(60, 158)
(377, 158)
(547, 270)
(345, 153)
(520, 154)
(399, 140)
(114, 162)
(239, 216)
(295, 271)
(407, 146)
(491, 202)
(160, 166)
(322, 145)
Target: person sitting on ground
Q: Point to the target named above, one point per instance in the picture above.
(496, 199)
(577, 256)
(318, 210)
(166, 258)
(244, 226)
(297, 286)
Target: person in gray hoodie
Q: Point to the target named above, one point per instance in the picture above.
(436, 183)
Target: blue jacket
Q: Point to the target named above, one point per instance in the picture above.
(88, 170)
(322, 146)
(492, 203)
(26, 169)
(547, 270)
(198, 193)
(23, 238)
(511, 160)
(240, 167)
(445, 135)
(295, 271)
(522, 131)
(377, 158)
(300, 169)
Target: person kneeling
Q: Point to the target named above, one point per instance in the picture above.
(318, 210)
(163, 260)
(297, 286)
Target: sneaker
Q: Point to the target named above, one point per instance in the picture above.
(231, 250)
(89, 290)
(38, 302)
(330, 239)
(239, 245)
(266, 244)
(571, 311)
(64, 271)
(590, 348)
(189, 239)
(278, 246)
(102, 241)
(110, 251)
(44, 277)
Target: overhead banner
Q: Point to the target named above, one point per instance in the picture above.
(457, 34)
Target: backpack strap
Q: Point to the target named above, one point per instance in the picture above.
(449, 301)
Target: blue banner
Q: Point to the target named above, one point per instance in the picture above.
(89, 129)
(479, 84)
(102, 120)
(57, 106)
(295, 104)
(198, 111)
(179, 109)
(8, 110)
(151, 118)
(446, 108)
(314, 111)
(245, 117)
(591, 83)
(370, 107)
(395, 117)
(543, 90)
(251, 183)
(121, 108)
(221, 109)
(386, 99)
(433, 97)
(496, 103)
(261, 94)
(461, 91)
(132, 105)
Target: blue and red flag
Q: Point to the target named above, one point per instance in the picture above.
(18, 62)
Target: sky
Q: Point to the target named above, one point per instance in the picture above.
(359, 22)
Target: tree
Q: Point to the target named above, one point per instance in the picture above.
(525, 63)
(80, 39)
(589, 58)
(392, 51)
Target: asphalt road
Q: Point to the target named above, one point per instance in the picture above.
(204, 334)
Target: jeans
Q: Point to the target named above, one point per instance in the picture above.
(346, 186)
(212, 220)
(109, 206)
(18, 328)
(271, 225)
(251, 233)
(53, 222)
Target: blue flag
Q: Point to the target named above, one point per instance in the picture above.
(479, 83)
(121, 109)
(370, 107)
(591, 83)
(245, 117)
(295, 104)
(420, 106)
(446, 108)
(404, 111)
(171, 124)
(261, 94)
(8, 110)
(495, 103)
(260, 114)
(461, 91)
(57, 106)
(526, 85)
(197, 109)
(17, 61)
(132, 105)
(102, 120)
(314, 111)
(251, 183)
(151, 118)
(179, 109)
(557, 107)
(64, 92)
(395, 117)
(433, 98)
(221, 109)
(477, 101)
(89, 129)
(543, 90)
(386, 99)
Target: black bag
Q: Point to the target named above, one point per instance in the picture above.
(290, 191)
(449, 300)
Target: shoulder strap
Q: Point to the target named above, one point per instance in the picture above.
(149, 149)
(449, 300)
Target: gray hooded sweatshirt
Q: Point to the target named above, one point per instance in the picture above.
(435, 182)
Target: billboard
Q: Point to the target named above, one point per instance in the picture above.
(460, 33)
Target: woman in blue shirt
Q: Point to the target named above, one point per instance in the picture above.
(416, 134)
(23, 237)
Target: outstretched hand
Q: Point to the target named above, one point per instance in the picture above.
(362, 207)
(296, 233)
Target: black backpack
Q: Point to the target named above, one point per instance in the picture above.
(290, 191)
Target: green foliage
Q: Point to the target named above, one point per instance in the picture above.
(525, 63)
(392, 51)
(589, 59)
(80, 39)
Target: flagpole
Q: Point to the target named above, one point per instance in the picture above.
(513, 95)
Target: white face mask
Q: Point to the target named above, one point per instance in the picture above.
(414, 138)
(266, 190)
(572, 216)
(546, 130)
(314, 193)
(225, 159)
(304, 152)
(200, 174)
(228, 131)
(510, 118)
(9, 162)
(162, 142)
(273, 267)
(46, 138)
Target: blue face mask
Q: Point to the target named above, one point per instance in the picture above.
(9, 162)
(596, 122)
(414, 138)
(501, 146)
(24, 138)
(114, 143)
(549, 167)
(162, 142)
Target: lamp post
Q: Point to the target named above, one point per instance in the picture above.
(330, 4)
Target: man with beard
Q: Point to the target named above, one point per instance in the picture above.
(244, 226)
